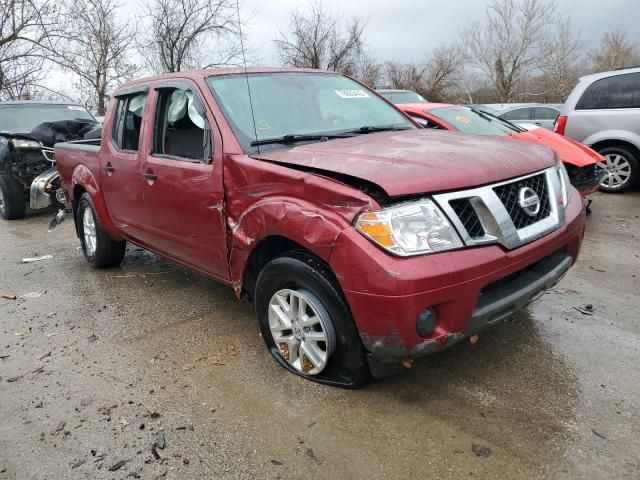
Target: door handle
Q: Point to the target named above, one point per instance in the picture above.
(149, 176)
(108, 168)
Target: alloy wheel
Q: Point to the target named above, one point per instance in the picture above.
(618, 170)
(302, 330)
(89, 230)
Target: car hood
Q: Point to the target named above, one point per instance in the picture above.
(418, 161)
(568, 150)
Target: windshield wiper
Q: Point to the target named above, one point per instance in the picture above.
(379, 128)
(494, 118)
(292, 138)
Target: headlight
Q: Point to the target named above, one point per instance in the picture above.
(563, 176)
(409, 229)
(19, 143)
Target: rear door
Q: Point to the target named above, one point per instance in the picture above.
(121, 183)
(545, 117)
(519, 115)
(182, 175)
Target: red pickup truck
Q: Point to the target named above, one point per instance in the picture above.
(363, 241)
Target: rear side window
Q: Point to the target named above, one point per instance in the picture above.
(621, 91)
(518, 114)
(128, 122)
(545, 113)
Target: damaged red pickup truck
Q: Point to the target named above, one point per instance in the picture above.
(362, 240)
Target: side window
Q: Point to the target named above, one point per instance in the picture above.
(181, 128)
(620, 91)
(128, 122)
(545, 113)
(518, 114)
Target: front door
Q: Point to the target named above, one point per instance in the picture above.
(183, 193)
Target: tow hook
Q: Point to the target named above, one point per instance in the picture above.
(60, 217)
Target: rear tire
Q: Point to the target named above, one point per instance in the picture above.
(341, 356)
(623, 169)
(13, 204)
(98, 247)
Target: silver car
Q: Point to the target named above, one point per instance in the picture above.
(603, 112)
(542, 115)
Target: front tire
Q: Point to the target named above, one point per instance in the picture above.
(622, 167)
(98, 247)
(13, 204)
(305, 321)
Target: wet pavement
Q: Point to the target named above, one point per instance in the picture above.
(94, 368)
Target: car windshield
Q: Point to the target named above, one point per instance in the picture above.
(29, 116)
(467, 120)
(403, 97)
(297, 105)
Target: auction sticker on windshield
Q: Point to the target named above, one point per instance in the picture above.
(462, 119)
(74, 107)
(352, 94)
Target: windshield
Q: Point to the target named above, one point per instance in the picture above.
(29, 116)
(403, 97)
(299, 103)
(466, 120)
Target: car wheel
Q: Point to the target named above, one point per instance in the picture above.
(13, 204)
(305, 321)
(621, 166)
(99, 248)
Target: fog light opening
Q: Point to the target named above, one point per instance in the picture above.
(426, 322)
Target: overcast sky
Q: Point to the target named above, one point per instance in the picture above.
(405, 30)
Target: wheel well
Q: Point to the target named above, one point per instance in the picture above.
(77, 193)
(617, 143)
(265, 251)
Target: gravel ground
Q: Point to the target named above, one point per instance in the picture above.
(100, 369)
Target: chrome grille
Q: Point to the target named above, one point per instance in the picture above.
(491, 214)
(508, 195)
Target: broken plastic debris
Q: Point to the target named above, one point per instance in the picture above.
(117, 466)
(160, 440)
(36, 259)
(481, 451)
(33, 294)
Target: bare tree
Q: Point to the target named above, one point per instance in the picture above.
(616, 51)
(317, 38)
(96, 50)
(183, 34)
(508, 45)
(443, 73)
(27, 27)
(436, 78)
(561, 63)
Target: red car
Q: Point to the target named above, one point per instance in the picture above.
(363, 241)
(580, 161)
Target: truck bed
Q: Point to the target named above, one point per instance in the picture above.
(77, 154)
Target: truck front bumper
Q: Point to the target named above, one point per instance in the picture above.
(469, 289)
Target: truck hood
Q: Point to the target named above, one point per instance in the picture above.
(418, 161)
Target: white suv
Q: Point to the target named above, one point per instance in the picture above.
(603, 112)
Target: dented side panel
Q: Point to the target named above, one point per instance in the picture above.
(265, 199)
